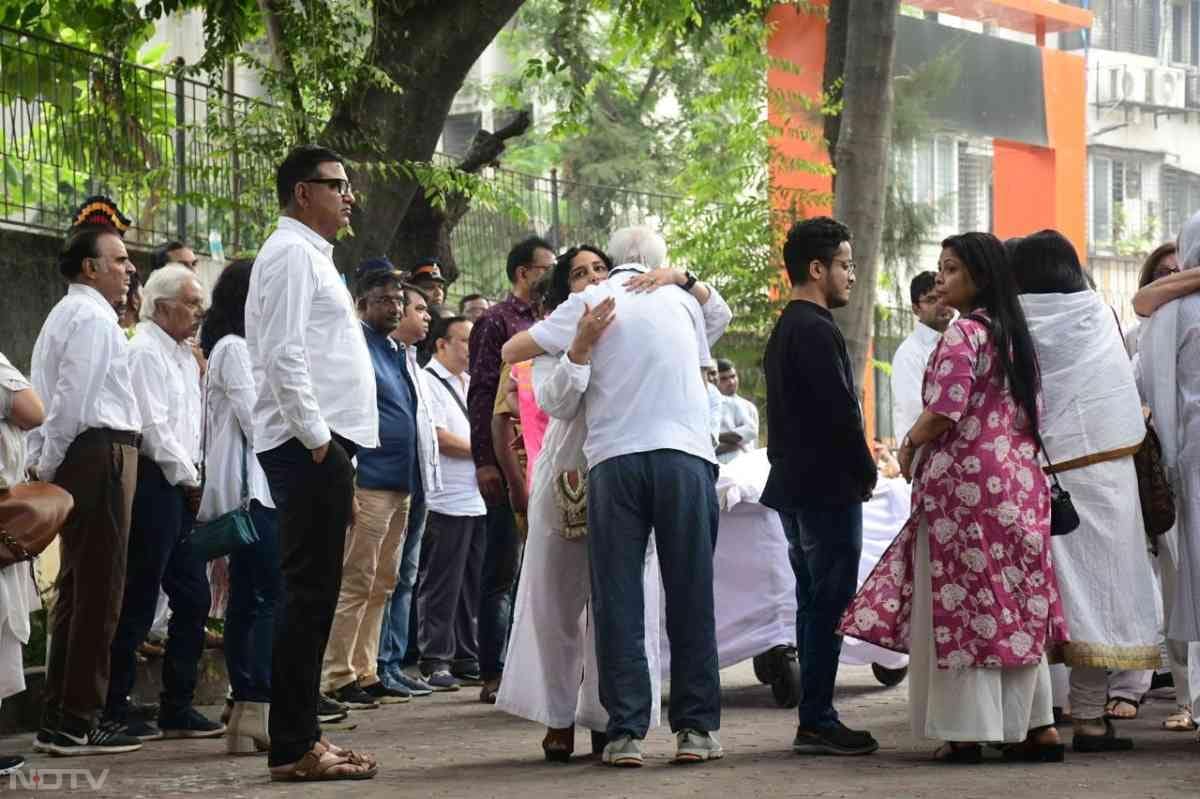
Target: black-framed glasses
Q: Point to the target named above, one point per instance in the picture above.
(340, 185)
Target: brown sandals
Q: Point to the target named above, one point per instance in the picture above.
(327, 762)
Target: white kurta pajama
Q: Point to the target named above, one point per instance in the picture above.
(551, 647)
(908, 372)
(1105, 576)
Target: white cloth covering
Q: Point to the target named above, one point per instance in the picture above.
(459, 494)
(1169, 376)
(985, 705)
(80, 369)
(908, 372)
(643, 400)
(229, 384)
(1090, 406)
(312, 371)
(166, 383)
(552, 646)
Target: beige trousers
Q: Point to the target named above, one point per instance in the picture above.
(369, 571)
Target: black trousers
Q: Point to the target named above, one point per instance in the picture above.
(160, 554)
(314, 502)
(448, 598)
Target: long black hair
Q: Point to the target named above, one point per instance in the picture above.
(227, 315)
(560, 280)
(986, 261)
(1046, 263)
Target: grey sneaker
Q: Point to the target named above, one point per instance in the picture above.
(693, 746)
(625, 752)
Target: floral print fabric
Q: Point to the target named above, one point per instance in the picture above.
(981, 492)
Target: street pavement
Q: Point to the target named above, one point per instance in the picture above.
(450, 745)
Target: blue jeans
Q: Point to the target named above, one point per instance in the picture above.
(674, 494)
(255, 586)
(824, 545)
(501, 562)
(397, 619)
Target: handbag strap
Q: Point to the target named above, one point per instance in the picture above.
(450, 388)
(1037, 436)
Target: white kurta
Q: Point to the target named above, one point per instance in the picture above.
(552, 647)
(1169, 375)
(1090, 406)
(908, 371)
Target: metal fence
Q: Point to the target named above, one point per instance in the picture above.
(892, 325)
(163, 145)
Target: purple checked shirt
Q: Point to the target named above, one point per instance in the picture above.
(497, 325)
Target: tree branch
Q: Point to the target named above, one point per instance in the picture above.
(273, 20)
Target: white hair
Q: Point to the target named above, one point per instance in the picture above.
(164, 284)
(637, 245)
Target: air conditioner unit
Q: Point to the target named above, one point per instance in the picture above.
(1166, 86)
(1121, 84)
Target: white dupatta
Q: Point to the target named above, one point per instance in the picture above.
(1090, 397)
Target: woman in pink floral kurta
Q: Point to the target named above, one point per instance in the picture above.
(968, 587)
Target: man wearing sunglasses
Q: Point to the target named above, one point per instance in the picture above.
(316, 408)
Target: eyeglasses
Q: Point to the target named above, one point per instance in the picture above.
(395, 301)
(339, 185)
(848, 264)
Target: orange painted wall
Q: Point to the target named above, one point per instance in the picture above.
(1044, 187)
(799, 38)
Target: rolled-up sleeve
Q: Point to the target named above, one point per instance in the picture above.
(290, 280)
(559, 384)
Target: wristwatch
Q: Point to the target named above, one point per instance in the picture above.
(689, 282)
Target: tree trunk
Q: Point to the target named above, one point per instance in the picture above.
(863, 147)
(836, 36)
(425, 230)
(426, 48)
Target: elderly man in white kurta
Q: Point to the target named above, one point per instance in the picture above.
(908, 364)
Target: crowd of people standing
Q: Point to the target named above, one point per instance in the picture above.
(435, 498)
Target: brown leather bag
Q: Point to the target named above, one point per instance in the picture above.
(31, 515)
(1154, 489)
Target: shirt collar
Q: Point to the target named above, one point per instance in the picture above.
(308, 234)
(84, 290)
(926, 334)
(631, 267)
(437, 367)
(519, 305)
(150, 328)
(371, 332)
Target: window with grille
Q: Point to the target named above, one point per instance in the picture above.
(1102, 196)
(931, 164)
(1129, 26)
(974, 189)
(1181, 199)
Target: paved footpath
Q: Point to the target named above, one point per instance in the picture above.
(449, 745)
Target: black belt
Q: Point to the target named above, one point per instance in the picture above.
(125, 437)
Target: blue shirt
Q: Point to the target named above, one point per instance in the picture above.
(393, 465)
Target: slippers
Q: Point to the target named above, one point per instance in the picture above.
(1120, 708)
(1180, 721)
(964, 754)
(1108, 742)
(321, 764)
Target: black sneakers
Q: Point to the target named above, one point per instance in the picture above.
(333, 715)
(188, 724)
(386, 696)
(834, 739)
(108, 738)
(10, 763)
(354, 697)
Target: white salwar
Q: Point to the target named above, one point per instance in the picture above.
(1091, 406)
(552, 650)
(984, 705)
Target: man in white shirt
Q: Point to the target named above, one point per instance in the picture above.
(88, 446)
(456, 527)
(739, 417)
(651, 467)
(315, 409)
(166, 383)
(912, 356)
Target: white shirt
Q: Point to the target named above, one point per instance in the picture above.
(459, 495)
(908, 372)
(646, 390)
(229, 389)
(312, 371)
(80, 367)
(739, 416)
(166, 382)
(716, 406)
(428, 454)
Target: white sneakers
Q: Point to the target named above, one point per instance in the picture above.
(692, 746)
(625, 752)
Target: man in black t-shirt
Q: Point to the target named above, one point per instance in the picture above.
(821, 469)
